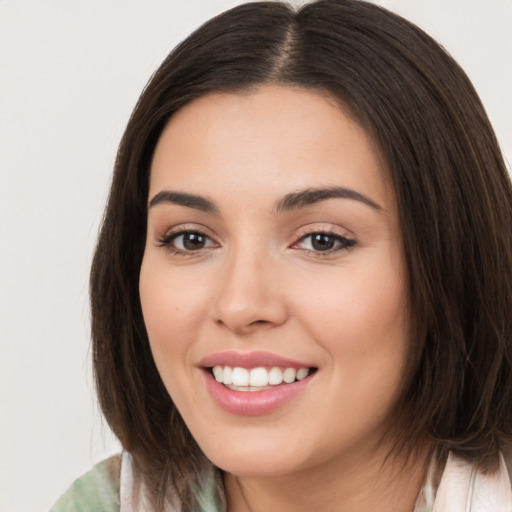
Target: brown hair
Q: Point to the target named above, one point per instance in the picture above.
(454, 198)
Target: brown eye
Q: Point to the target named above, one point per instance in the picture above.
(324, 242)
(191, 241)
(186, 241)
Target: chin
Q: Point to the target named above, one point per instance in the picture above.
(252, 458)
(256, 466)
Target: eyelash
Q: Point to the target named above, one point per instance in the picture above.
(168, 239)
(342, 242)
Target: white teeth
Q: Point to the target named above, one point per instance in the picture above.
(256, 379)
(240, 376)
(247, 388)
(228, 375)
(218, 373)
(302, 373)
(289, 375)
(275, 376)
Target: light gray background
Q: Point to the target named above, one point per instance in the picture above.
(70, 73)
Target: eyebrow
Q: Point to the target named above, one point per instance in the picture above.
(184, 199)
(292, 201)
(311, 196)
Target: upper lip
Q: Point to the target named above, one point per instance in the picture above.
(251, 360)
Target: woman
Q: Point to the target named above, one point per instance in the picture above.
(302, 289)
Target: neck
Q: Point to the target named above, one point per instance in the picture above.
(387, 484)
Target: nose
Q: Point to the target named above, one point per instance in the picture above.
(250, 294)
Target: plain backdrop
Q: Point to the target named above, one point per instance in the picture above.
(70, 73)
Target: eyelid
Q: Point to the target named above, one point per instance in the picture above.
(184, 228)
(169, 237)
(324, 227)
(343, 242)
(346, 241)
(165, 240)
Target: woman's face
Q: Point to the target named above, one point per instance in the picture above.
(273, 252)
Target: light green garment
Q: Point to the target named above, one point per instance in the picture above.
(99, 491)
(96, 491)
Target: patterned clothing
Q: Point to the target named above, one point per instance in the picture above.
(111, 487)
(96, 491)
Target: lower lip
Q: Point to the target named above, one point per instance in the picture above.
(254, 403)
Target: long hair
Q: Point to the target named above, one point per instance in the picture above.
(454, 199)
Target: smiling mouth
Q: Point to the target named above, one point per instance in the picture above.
(258, 379)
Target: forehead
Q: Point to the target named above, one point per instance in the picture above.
(273, 139)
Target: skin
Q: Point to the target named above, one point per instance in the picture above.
(258, 284)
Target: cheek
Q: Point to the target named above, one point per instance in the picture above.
(361, 319)
(358, 303)
(363, 326)
(174, 308)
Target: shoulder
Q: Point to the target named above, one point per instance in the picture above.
(96, 490)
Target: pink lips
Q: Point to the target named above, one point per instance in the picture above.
(251, 360)
(252, 403)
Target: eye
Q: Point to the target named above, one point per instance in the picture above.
(324, 242)
(186, 241)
